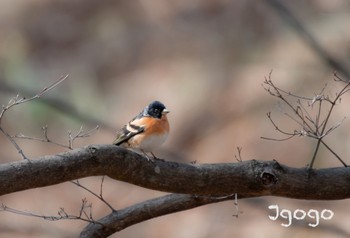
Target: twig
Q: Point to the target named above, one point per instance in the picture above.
(71, 138)
(333, 103)
(239, 156)
(14, 143)
(45, 138)
(236, 206)
(62, 214)
(311, 126)
(333, 152)
(273, 139)
(77, 183)
(20, 100)
(17, 100)
(80, 134)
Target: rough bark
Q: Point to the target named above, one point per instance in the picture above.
(207, 183)
(118, 220)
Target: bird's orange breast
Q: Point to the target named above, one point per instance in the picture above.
(153, 125)
(155, 132)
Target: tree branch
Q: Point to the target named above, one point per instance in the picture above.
(208, 183)
(119, 220)
(253, 178)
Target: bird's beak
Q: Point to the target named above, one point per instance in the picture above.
(166, 111)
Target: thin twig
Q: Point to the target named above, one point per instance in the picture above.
(77, 183)
(14, 143)
(20, 100)
(80, 134)
(17, 100)
(335, 154)
(239, 156)
(71, 138)
(313, 127)
(277, 128)
(333, 103)
(62, 214)
(235, 203)
(274, 139)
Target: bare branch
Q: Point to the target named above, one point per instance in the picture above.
(20, 100)
(291, 134)
(236, 206)
(210, 182)
(274, 139)
(333, 152)
(45, 138)
(315, 127)
(333, 103)
(14, 143)
(62, 214)
(17, 100)
(80, 134)
(202, 179)
(333, 127)
(119, 220)
(60, 80)
(239, 156)
(77, 183)
(42, 92)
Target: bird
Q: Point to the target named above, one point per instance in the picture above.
(147, 131)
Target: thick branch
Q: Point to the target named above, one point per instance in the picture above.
(119, 220)
(252, 178)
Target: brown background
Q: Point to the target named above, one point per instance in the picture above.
(206, 61)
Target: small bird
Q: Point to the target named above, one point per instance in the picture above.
(147, 131)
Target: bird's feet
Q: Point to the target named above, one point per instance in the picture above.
(156, 158)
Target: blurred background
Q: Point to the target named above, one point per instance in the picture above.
(206, 61)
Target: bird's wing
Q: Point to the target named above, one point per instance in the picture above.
(127, 132)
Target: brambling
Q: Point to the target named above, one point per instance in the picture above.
(146, 131)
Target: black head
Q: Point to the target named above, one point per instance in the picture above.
(155, 109)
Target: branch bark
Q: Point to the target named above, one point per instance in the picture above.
(256, 178)
(118, 220)
(209, 182)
